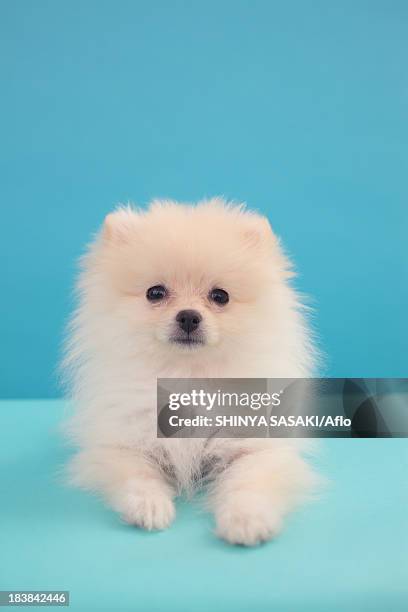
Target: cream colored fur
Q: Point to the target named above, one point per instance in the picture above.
(119, 345)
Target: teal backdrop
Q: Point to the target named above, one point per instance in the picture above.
(298, 108)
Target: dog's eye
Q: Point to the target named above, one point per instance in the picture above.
(219, 296)
(156, 293)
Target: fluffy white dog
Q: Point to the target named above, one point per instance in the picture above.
(182, 291)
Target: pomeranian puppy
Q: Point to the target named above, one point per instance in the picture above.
(182, 291)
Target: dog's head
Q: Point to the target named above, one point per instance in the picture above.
(187, 278)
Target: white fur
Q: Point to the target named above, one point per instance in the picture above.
(118, 346)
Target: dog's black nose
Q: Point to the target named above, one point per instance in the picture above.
(188, 320)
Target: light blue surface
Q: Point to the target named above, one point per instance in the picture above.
(299, 108)
(346, 551)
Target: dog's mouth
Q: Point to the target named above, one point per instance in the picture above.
(187, 341)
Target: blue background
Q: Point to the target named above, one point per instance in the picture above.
(298, 108)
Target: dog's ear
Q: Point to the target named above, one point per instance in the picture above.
(120, 225)
(259, 237)
(258, 232)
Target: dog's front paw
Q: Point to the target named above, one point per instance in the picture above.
(248, 522)
(150, 510)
